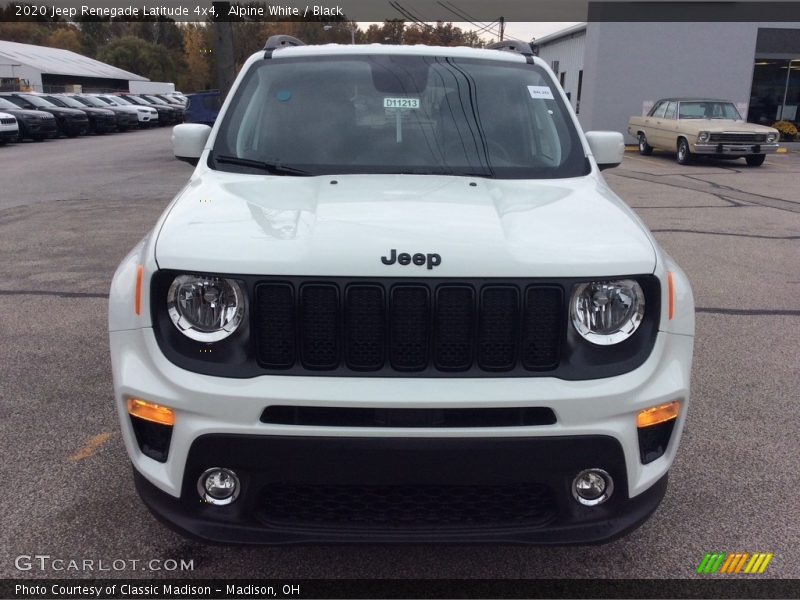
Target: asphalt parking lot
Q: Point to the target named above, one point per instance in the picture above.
(71, 209)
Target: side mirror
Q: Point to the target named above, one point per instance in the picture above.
(188, 141)
(608, 148)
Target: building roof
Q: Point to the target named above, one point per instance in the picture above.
(547, 39)
(55, 61)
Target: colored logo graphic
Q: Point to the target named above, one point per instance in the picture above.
(733, 563)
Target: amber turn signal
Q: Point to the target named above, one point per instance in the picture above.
(658, 414)
(148, 411)
(137, 298)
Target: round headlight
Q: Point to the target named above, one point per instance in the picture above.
(206, 309)
(607, 312)
(771, 137)
(703, 136)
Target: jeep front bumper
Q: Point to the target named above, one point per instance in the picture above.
(326, 471)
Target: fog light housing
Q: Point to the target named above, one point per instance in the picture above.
(152, 427)
(654, 427)
(218, 486)
(592, 487)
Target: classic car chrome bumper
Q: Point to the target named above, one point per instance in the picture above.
(734, 148)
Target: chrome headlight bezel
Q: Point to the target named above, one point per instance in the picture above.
(772, 138)
(229, 318)
(620, 328)
(703, 136)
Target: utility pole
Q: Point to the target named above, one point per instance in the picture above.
(502, 27)
(223, 47)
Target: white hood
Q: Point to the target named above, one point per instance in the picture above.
(252, 224)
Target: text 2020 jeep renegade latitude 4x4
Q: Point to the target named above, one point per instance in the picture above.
(397, 301)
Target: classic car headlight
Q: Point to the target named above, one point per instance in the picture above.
(205, 309)
(607, 312)
(703, 136)
(772, 138)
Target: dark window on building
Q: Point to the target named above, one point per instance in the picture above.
(562, 78)
(580, 85)
(775, 95)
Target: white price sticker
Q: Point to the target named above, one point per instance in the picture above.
(540, 91)
(401, 103)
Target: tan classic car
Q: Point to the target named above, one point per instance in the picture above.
(698, 126)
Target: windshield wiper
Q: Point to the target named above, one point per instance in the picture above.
(275, 168)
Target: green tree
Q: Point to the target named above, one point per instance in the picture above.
(143, 58)
(197, 48)
(66, 38)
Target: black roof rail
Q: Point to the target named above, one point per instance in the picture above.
(523, 48)
(281, 41)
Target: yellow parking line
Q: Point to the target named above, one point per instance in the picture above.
(91, 446)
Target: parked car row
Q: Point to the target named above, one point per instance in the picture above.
(37, 116)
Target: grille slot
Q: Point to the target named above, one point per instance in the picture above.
(408, 506)
(542, 327)
(410, 327)
(275, 325)
(365, 327)
(454, 321)
(319, 326)
(392, 327)
(497, 329)
(321, 416)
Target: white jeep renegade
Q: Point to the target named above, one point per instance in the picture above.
(397, 301)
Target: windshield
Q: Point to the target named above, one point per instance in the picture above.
(708, 110)
(56, 102)
(398, 114)
(37, 101)
(154, 100)
(135, 100)
(66, 101)
(114, 101)
(88, 101)
(6, 104)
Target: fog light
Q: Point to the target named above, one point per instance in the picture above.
(218, 486)
(592, 487)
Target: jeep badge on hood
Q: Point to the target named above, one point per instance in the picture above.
(432, 260)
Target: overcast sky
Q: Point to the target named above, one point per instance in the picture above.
(519, 30)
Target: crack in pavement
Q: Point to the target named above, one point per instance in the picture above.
(746, 235)
(706, 187)
(50, 293)
(780, 312)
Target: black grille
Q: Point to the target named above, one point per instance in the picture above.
(454, 321)
(410, 327)
(319, 326)
(6, 121)
(749, 138)
(365, 327)
(541, 327)
(408, 506)
(275, 323)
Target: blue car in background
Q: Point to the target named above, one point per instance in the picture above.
(203, 107)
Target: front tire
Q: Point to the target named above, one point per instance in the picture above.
(755, 160)
(684, 154)
(645, 149)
